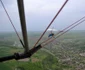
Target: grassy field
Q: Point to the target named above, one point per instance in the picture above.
(65, 53)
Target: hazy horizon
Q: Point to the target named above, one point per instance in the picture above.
(39, 14)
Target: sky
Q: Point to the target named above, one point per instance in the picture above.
(39, 14)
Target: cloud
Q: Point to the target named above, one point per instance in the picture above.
(39, 13)
(42, 6)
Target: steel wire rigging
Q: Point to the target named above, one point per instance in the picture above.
(23, 24)
(51, 22)
(57, 36)
(30, 52)
(18, 56)
(65, 28)
(12, 23)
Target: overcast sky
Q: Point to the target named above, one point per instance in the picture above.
(39, 13)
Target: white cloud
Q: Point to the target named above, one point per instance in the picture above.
(40, 12)
(42, 6)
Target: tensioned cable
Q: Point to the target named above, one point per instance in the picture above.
(65, 29)
(51, 22)
(18, 56)
(12, 23)
(63, 32)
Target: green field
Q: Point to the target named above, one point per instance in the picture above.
(65, 53)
